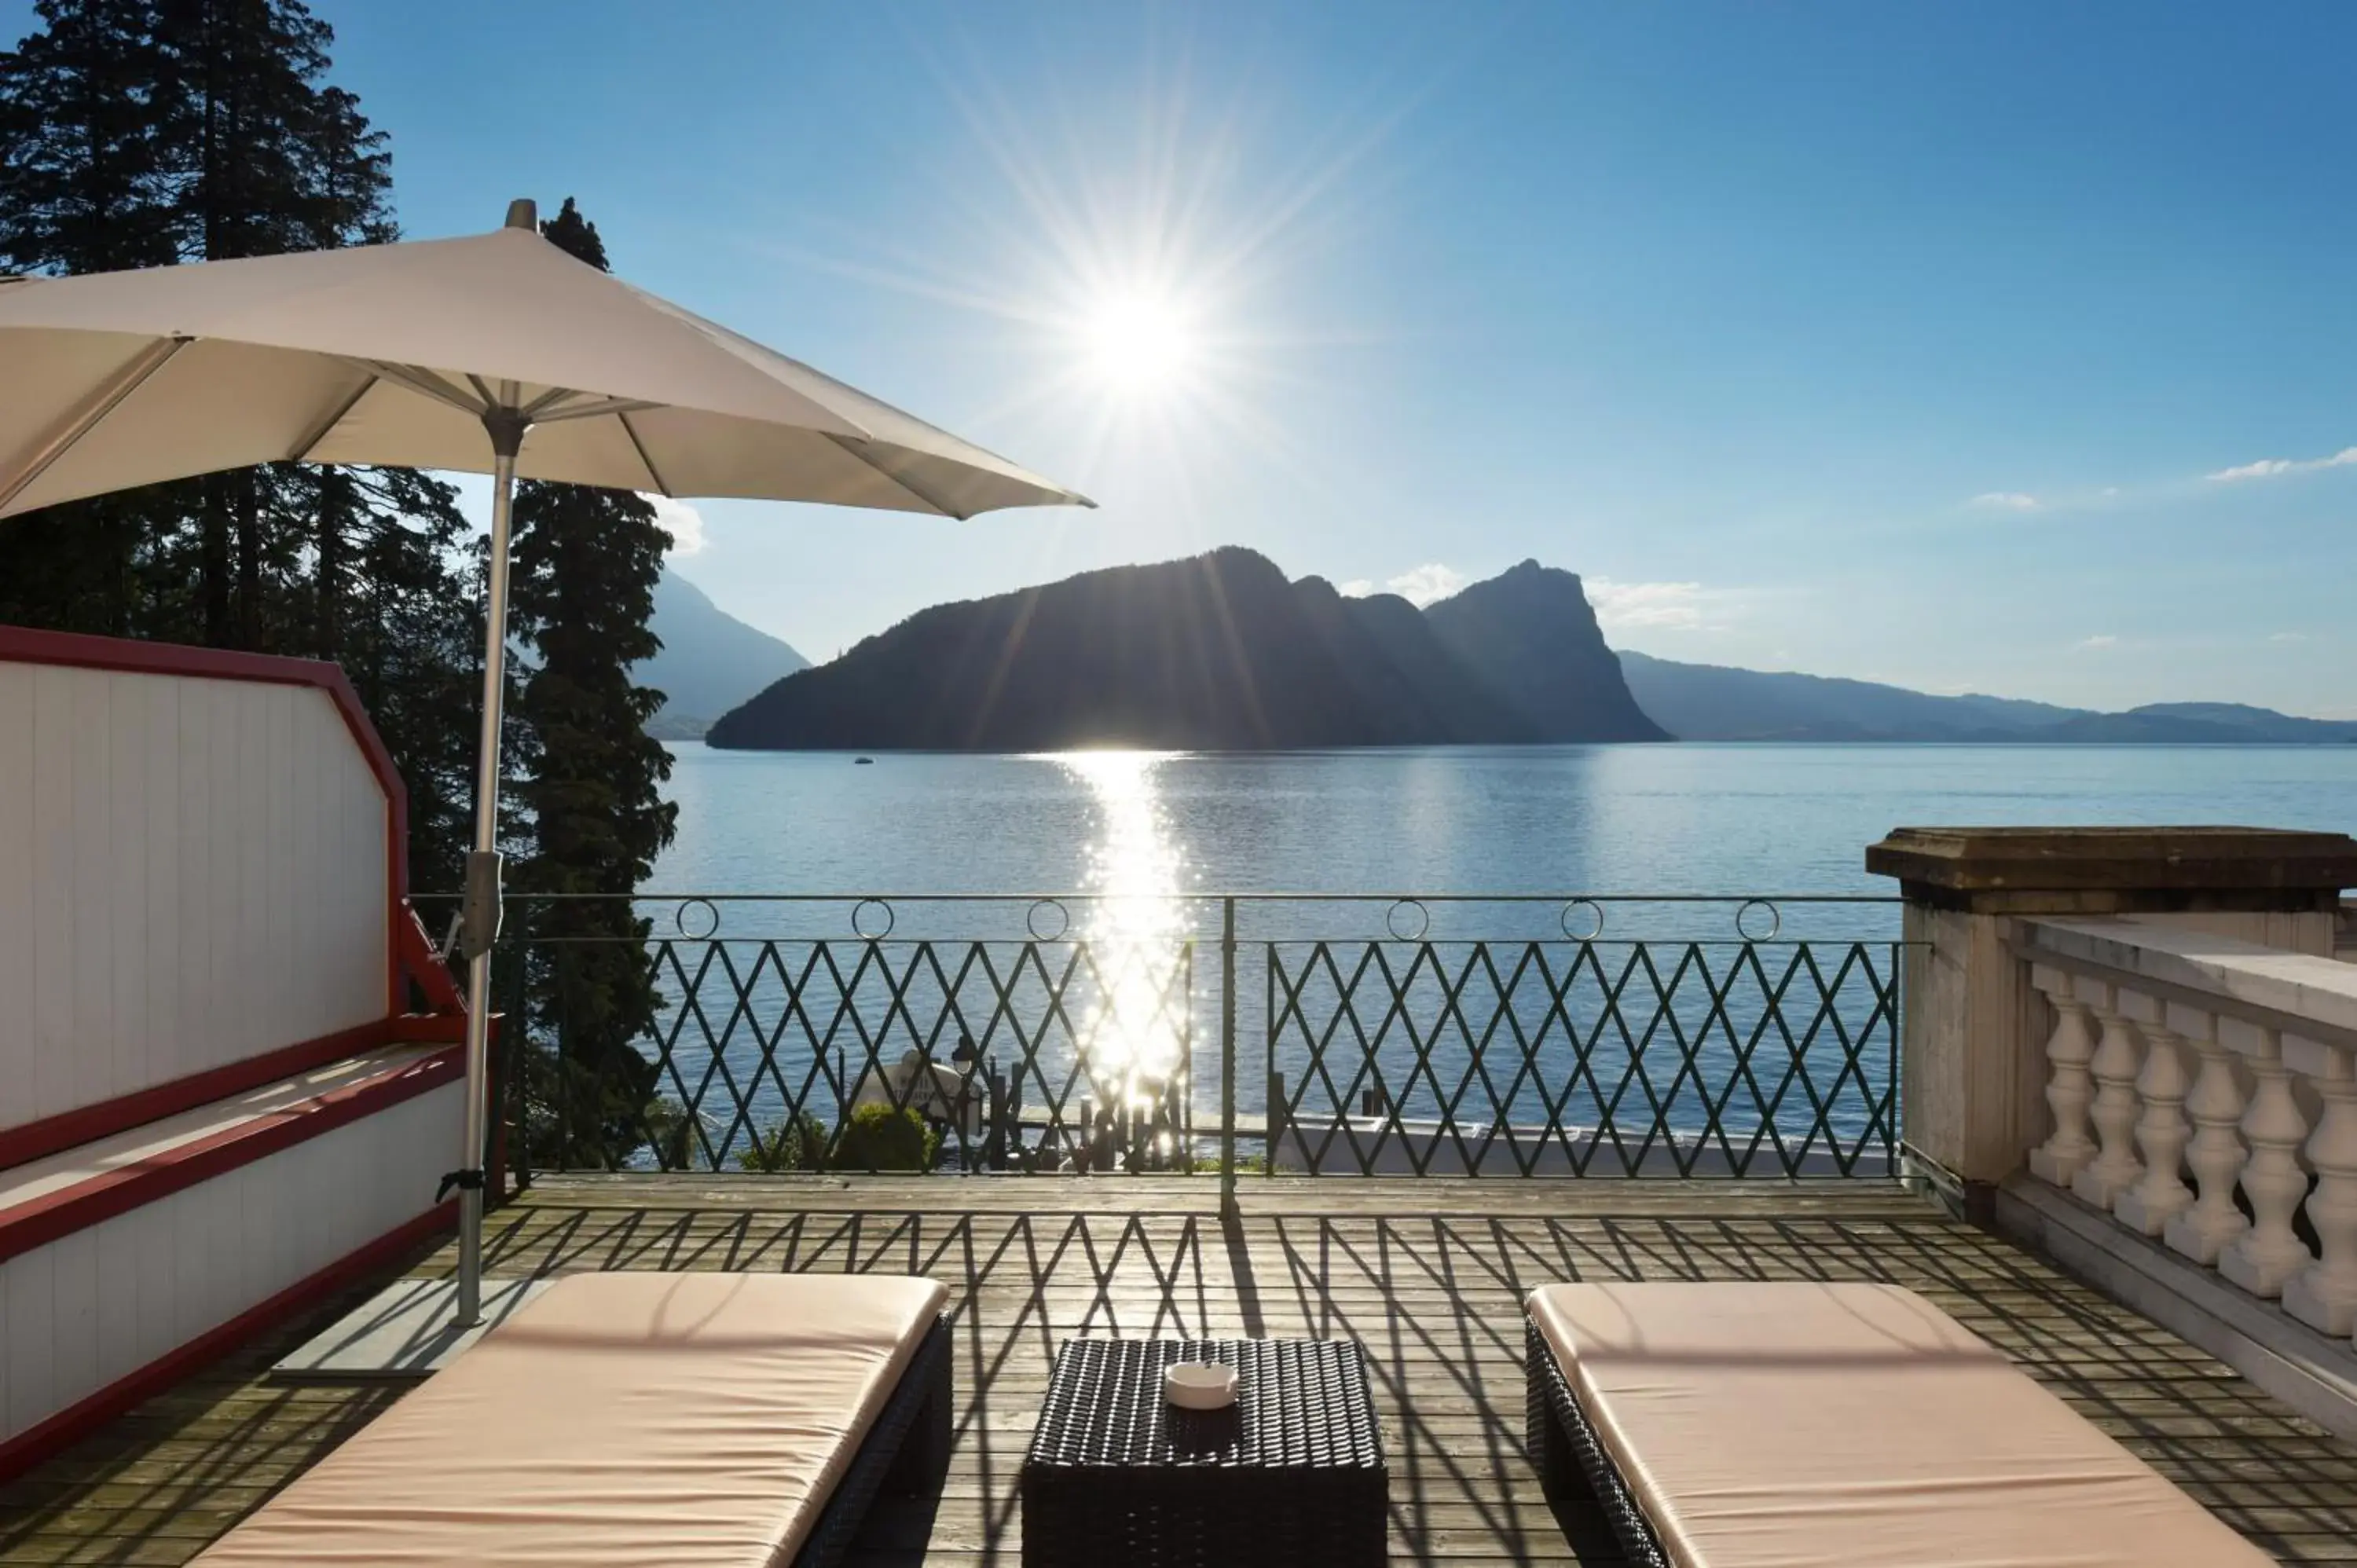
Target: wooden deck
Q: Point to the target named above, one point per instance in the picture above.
(1426, 1275)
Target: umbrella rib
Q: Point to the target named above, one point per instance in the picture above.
(595, 410)
(854, 447)
(319, 432)
(427, 383)
(623, 416)
(93, 411)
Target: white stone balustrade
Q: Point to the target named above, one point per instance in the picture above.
(2324, 1294)
(2175, 1070)
(2214, 1103)
(2270, 1252)
(2068, 1049)
(2161, 1129)
(2117, 1060)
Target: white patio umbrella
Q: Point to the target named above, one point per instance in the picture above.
(494, 353)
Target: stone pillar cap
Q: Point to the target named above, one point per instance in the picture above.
(2120, 867)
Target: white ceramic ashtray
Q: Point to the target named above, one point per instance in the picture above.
(1198, 1385)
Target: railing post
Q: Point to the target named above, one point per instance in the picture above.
(1228, 1056)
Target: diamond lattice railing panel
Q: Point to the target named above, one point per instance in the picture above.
(1024, 1055)
(1532, 1057)
(1521, 1056)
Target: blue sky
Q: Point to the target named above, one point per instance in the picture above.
(1895, 341)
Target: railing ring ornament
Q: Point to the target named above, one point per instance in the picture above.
(679, 918)
(1596, 919)
(1063, 920)
(1743, 920)
(861, 920)
(1392, 921)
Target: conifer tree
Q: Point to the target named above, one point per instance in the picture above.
(143, 133)
(84, 188)
(585, 562)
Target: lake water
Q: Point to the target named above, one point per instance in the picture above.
(1389, 1033)
(1614, 819)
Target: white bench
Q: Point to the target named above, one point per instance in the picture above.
(128, 1260)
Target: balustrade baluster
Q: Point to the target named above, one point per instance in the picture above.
(2161, 1130)
(2324, 1294)
(2270, 1253)
(2068, 1088)
(2115, 1067)
(2215, 1154)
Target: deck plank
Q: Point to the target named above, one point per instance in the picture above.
(1429, 1275)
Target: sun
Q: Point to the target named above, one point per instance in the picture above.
(1138, 342)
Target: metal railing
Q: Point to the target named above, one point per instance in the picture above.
(1323, 1035)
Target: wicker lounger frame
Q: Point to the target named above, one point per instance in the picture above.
(1563, 1447)
(905, 1454)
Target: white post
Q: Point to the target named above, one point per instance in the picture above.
(2067, 1148)
(2215, 1155)
(2270, 1253)
(2161, 1131)
(2115, 1067)
(2324, 1294)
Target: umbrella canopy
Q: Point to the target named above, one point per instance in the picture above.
(496, 353)
(392, 354)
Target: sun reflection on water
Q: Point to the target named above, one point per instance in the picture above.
(1136, 927)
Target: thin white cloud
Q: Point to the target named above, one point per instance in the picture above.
(1421, 586)
(1663, 606)
(683, 521)
(2095, 643)
(2271, 468)
(1356, 588)
(2288, 637)
(2007, 500)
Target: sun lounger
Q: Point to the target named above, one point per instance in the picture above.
(1741, 1425)
(709, 1420)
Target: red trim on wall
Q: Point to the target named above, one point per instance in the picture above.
(23, 645)
(101, 1198)
(38, 1443)
(88, 1123)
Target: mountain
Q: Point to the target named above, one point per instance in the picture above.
(2253, 724)
(710, 660)
(1710, 701)
(1222, 653)
(1216, 652)
(1532, 637)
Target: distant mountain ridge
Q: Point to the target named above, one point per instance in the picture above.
(1220, 651)
(1710, 701)
(710, 660)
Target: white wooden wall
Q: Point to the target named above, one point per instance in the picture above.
(192, 872)
(92, 1307)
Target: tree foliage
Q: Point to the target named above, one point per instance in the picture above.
(582, 588)
(143, 133)
(149, 133)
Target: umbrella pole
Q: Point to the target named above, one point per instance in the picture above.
(480, 927)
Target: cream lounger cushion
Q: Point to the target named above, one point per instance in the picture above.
(1801, 1425)
(619, 1419)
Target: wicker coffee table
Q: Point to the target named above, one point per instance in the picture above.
(1293, 1474)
